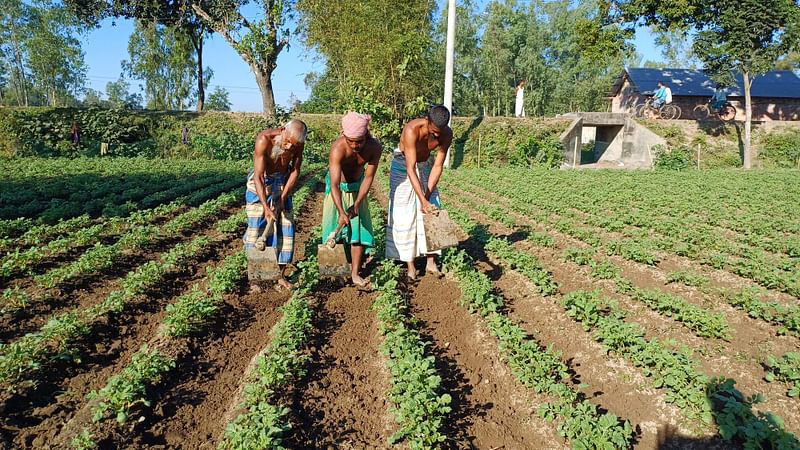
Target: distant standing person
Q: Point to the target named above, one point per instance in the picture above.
(185, 136)
(412, 187)
(519, 106)
(353, 161)
(75, 133)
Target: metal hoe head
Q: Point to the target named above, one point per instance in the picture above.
(262, 261)
(332, 258)
(440, 230)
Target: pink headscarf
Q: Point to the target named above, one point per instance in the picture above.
(355, 125)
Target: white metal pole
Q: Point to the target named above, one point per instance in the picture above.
(448, 68)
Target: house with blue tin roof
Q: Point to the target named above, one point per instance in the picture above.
(775, 95)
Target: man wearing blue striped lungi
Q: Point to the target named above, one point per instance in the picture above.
(277, 159)
(412, 191)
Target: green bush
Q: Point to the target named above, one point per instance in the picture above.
(679, 158)
(781, 149)
(502, 140)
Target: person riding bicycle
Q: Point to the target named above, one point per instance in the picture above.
(662, 96)
(719, 99)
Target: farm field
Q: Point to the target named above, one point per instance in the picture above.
(581, 309)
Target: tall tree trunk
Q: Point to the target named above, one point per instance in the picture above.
(197, 41)
(22, 92)
(748, 118)
(264, 82)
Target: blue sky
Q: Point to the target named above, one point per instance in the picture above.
(107, 46)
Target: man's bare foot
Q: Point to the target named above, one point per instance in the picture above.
(412, 275)
(283, 285)
(255, 289)
(431, 267)
(360, 282)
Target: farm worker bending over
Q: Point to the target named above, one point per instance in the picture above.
(353, 161)
(276, 167)
(412, 192)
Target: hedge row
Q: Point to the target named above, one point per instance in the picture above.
(46, 132)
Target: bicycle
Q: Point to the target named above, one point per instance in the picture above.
(665, 111)
(726, 113)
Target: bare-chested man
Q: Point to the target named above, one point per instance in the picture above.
(277, 159)
(353, 161)
(413, 183)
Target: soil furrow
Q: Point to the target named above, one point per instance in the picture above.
(490, 409)
(93, 288)
(343, 401)
(33, 417)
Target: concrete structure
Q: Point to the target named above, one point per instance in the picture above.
(776, 94)
(608, 140)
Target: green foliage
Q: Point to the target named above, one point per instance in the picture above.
(781, 149)
(127, 389)
(735, 418)
(388, 72)
(785, 369)
(218, 100)
(501, 141)
(83, 441)
(688, 278)
(748, 300)
(679, 158)
(420, 407)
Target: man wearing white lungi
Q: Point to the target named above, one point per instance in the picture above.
(413, 192)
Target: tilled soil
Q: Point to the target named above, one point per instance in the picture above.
(91, 289)
(738, 359)
(343, 401)
(490, 408)
(188, 411)
(33, 418)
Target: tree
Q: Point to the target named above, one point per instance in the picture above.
(44, 60)
(163, 57)
(392, 64)
(93, 98)
(676, 48)
(733, 36)
(54, 54)
(258, 42)
(218, 100)
(177, 16)
(119, 96)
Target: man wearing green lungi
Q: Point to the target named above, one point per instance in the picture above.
(352, 164)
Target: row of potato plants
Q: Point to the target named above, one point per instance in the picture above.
(671, 369)
(785, 369)
(261, 422)
(22, 261)
(532, 364)
(61, 189)
(38, 234)
(537, 367)
(103, 256)
(541, 208)
(56, 339)
(187, 315)
(641, 250)
(420, 405)
(701, 321)
(707, 198)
